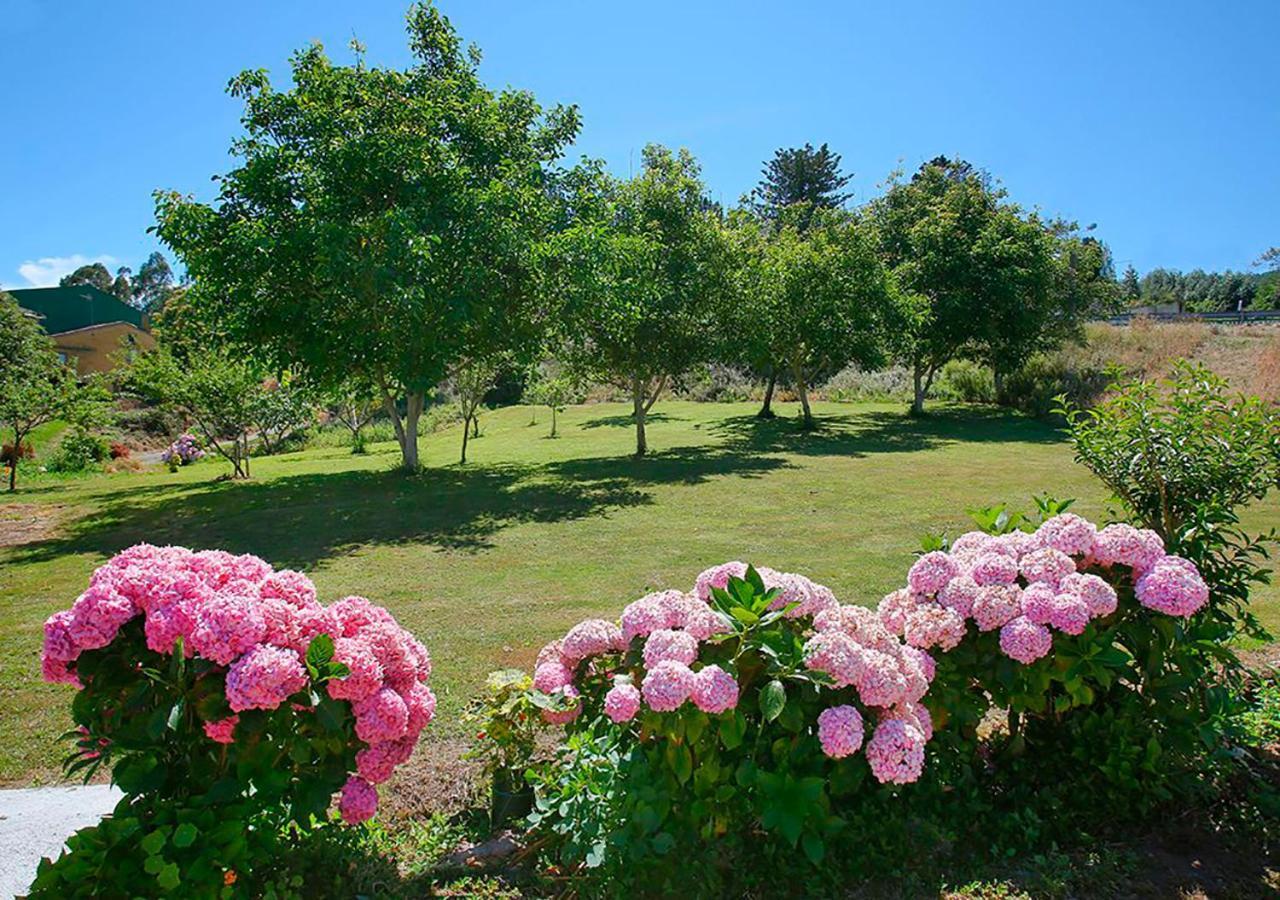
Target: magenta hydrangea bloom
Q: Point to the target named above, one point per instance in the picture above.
(376, 763)
(226, 627)
(97, 615)
(667, 686)
(421, 704)
(665, 644)
(959, 595)
(564, 716)
(365, 672)
(931, 572)
(1173, 589)
(1037, 603)
(996, 604)
(56, 671)
(622, 702)
(896, 752)
(58, 643)
(382, 716)
(551, 676)
(591, 638)
(1069, 613)
(1025, 640)
(994, 568)
(292, 587)
(934, 625)
(840, 731)
(1099, 596)
(1069, 534)
(264, 678)
(359, 801)
(222, 730)
(714, 690)
(353, 614)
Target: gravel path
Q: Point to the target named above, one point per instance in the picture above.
(35, 821)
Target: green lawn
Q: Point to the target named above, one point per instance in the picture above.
(487, 562)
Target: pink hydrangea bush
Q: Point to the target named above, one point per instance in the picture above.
(253, 679)
(733, 690)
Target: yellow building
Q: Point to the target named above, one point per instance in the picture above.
(91, 329)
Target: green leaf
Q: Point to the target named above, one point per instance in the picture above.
(153, 843)
(732, 729)
(319, 651)
(184, 835)
(814, 848)
(773, 698)
(169, 877)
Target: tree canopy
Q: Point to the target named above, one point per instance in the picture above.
(800, 176)
(381, 223)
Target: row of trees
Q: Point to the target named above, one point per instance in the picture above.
(395, 228)
(148, 289)
(1201, 291)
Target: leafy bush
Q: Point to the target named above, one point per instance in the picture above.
(719, 383)
(77, 451)
(853, 383)
(738, 707)
(9, 458)
(230, 705)
(182, 452)
(1036, 388)
(966, 381)
(119, 450)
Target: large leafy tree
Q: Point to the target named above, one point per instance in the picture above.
(808, 302)
(100, 277)
(642, 271)
(381, 224)
(153, 284)
(35, 386)
(980, 270)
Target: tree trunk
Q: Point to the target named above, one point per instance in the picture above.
(475, 425)
(466, 433)
(997, 380)
(766, 411)
(640, 410)
(553, 421)
(406, 429)
(917, 404)
(803, 390)
(13, 463)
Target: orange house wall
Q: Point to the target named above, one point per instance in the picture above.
(92, 349)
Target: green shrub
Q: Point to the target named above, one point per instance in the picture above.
(78, 451)
(966, 381)
(1036, 387)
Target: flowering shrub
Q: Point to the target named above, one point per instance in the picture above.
(1084, 636)
(230, 705)
(754, 701)
(182, 452)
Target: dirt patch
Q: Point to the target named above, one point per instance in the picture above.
(26, 523)
(435, 779)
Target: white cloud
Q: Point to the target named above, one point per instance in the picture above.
(48, 270)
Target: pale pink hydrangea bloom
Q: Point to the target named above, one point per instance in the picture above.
(644, 616)
(933, 625)
(591, 638)
(931, 572)
(359, 801)
(1173, 589)
(894, 607)
(970, 544)
(1122, 544)
(1099, 596)
(1037, 603)
(222, 730)
(264, 678)
(996, 604)
(382, 716)
(896, 752)
(959, 595)
(840, 731)
(1048, 566)
(1069, 613)
(706, 623)
(226, 627)
(665, 644)
(1024, 640)
(717, 577)
(714, 690)
(1069, 534)
(564, 716)
(881, 681)
(858, 622)
(914, 657)
(836, 654)
(1017, 543)
(914, 713)
(994, 568)
(667, 686)
(678, 606)
(551, 653)
(622, 702)
(551, 676)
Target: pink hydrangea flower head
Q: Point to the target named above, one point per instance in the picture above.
(840, 731)
(1048, 566)
(959, 595)
(1016, 543)
(881, 681)
(284, 627)
(896, 752)
(677, 606)
(994, 568)
(1037, 602)
(931, 572)
(1173, 589)
(222, 730)
(915, 658)
(55, 671)
(714, 690)
(1122, 544)
(551, 676)
(353, 614)
(564, 716)
(644, 616)
(665, 644)
(970, 544)
(376, 763)
(1025, 640)
(1099, 596)
(166, 623)
(550, 653)
(893, 609)
(717, 577)
(591, 638)
(934, 625)
(58, 643)
(421, 704)
(836, 654)
(622, 702)
(292, 587)
(996, 605)
(1069, 613)
(382, 716)
(365, 675)
(264, 677)
(705, 624)
(858, 622)
(792, 589)
(390, 646)
(359, 801)
(667, 686)
(1069, 534)
(226, 627)
(97, 615)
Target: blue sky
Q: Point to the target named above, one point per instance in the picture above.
(1160, 122)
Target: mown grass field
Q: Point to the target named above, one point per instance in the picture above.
(488, 561)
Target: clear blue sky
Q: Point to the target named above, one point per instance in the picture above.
(1159, 121)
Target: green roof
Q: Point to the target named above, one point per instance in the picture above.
(70, 308)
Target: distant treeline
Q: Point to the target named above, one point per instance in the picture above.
(1200, 291)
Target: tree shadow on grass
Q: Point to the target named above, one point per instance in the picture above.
(627, 421)
(299, 520)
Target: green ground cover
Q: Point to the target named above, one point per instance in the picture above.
(488, 561)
